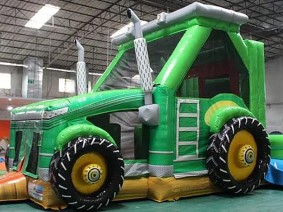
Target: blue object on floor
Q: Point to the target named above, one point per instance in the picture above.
(275, 172)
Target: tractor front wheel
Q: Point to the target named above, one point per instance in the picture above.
(88, 173)
(238, 156)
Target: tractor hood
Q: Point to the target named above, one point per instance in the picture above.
(98, 102)
(41, 110)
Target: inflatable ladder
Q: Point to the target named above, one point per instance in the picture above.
(187, 129)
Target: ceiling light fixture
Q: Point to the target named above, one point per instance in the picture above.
(9, 107)
(12, 64)
(71, 71)
(59, 69)
(42, 16)
(48, 68)
(96, 74)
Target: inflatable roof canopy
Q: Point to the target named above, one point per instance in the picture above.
(191, 11)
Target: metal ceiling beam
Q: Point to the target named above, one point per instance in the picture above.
(45, 30)
(271, 15)
(70, 36)
(46, 52)
(55, 17)
(42, 47)
(69, 62)
(258, 33)
(247, 8)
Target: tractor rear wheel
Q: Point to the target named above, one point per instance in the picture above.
(88, 173)
(238, 156)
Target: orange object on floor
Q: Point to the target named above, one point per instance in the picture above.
(13, 186)
(2, 166)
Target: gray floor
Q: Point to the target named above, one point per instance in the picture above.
(266, 198)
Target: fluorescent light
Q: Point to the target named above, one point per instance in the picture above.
(48, 68)
(9, 107)
(94, 74)
(71, 71)
(59, 69)
(42, 16)
(124, 29)
(12, 64)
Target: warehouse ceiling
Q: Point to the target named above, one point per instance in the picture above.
(93, 21)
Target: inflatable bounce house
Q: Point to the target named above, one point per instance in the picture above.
(179, 112)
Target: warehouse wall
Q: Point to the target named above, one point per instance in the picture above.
(50, 85)
(50, 82)
(15, 91)
(5, 115)
(16, 81)
(274, 94)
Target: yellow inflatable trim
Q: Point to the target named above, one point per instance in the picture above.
(13, 187)
(211, 110)
(42, 193)
(166, 189)
(155, 188)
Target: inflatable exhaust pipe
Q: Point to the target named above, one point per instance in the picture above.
(148, 114)
(81, 70)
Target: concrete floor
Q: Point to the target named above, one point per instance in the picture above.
(264, 199)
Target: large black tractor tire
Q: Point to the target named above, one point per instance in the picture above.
(88, 173)
(238, 157)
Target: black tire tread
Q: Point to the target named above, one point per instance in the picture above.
(60, 172)
(217, 152)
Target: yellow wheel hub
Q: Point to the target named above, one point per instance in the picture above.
(242, 155)
(246, 155)
(89, 173)
(92, 173)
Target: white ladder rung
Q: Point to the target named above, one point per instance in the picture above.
(187, 143)
(188, 115)
(188, 101)
(190, 129)
(187, 157)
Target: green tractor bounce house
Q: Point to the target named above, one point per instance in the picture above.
(180, 111)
